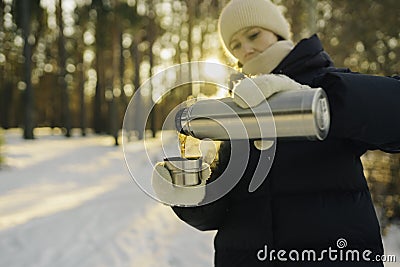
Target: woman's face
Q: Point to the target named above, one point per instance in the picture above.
(249, 42)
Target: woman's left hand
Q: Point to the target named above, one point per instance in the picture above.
(250, 92)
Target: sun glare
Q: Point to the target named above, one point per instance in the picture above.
(215, 70)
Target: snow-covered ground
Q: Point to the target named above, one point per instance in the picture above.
(71, 202)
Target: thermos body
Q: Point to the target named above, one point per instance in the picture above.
(298, 114)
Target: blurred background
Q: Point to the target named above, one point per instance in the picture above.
(75, 64)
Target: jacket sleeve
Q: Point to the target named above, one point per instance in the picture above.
(364, 108)
(209, 216)
(206, 217)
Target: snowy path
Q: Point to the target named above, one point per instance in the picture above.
(71, 202)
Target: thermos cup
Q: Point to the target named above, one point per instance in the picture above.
(184, 172)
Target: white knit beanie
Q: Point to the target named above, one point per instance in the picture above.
(240, 14)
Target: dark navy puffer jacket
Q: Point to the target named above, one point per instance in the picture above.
(315, 193)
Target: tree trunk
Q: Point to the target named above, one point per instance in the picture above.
(82, 99)
(152, 30)
(6, 100)
(137, 101)
(99, 98)
(28, 93)
(116, 83)
(65, 110)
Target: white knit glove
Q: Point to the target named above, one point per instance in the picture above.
(250, 92)
(174, 195)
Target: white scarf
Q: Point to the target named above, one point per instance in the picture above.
(268, 60)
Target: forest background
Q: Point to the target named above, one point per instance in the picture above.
(70, 64)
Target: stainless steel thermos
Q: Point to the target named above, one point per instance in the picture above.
(299, 114)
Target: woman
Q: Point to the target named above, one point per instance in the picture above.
(315, 206)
